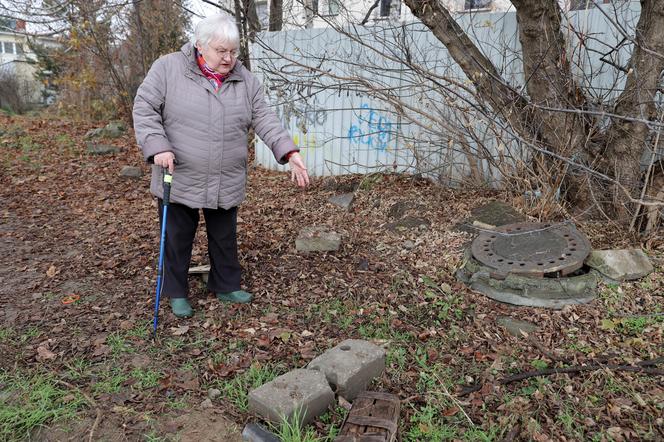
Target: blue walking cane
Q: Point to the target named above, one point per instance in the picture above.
(168, 178)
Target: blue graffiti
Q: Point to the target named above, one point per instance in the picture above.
(374, 131)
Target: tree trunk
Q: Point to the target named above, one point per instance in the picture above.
(626, 140)
(276, 15)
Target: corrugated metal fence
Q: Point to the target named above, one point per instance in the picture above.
(391, 98)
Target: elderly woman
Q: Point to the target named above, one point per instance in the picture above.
(192, 115)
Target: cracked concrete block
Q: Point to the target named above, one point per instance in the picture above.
(350, 366)
(302, 392)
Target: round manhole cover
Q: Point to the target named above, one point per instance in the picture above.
(532, 249)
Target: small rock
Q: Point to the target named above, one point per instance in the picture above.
(408, 245)
(214, 393)
(494, 213)
(131, 172)
(409, 222)
(620, 265)
(363, 265)
(101, 149)
(344, 201)
(317, 239)
(207, 403)
(94, 133)
(114, 129)
(514, 326)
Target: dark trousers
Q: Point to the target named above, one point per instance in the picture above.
(225, 271)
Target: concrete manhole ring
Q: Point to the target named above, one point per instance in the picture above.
(531, 264)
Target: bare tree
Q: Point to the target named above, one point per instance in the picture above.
(552, 111)
(545, 129)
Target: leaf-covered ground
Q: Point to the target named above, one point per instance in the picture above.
(89, 368)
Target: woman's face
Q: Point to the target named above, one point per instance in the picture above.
(219, 56)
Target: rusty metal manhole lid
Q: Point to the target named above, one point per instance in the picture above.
(532, 249)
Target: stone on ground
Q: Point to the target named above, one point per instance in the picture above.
(302, 393)
(495, 213)
(101, 149)
(317, 239)
(515, 326)
(620, 265)
(131, 172)
(350, 366)
(409, 222)
(114, 129)
(344, 200)
(256, 433)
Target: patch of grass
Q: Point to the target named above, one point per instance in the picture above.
(539, 364)
(140, 331)
(480, 435)
(292, 431)
(110, 382)
(634, 326)
(174, 345)
(28, 401)
(153, 436)
(396, 358)
(118, 344)
(237, 388)
(32, 332)
(77, 368)
(178, 404)
(6, 334)
(145, 379)
(428, 426)
(65, 143)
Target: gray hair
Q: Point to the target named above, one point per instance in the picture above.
(220, 27)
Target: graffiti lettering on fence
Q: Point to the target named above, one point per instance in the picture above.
(304, 140)
(373, 130)
(306, 113)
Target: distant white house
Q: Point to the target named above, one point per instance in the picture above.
(16, 61)
(299, 14)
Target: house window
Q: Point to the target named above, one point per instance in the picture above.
(385, 8)
(8, 47)
(263, 14)
(19, 49)
(477, 4)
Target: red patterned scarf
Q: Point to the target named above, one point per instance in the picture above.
(215, 78)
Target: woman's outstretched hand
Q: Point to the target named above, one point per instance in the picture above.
(299, 173)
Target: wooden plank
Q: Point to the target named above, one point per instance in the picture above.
(373, 418)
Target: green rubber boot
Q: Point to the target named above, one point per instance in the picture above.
(238, 296)
(181, 307)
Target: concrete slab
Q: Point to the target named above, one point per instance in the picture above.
(299, 392)
(350, 366)
(620, 265)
